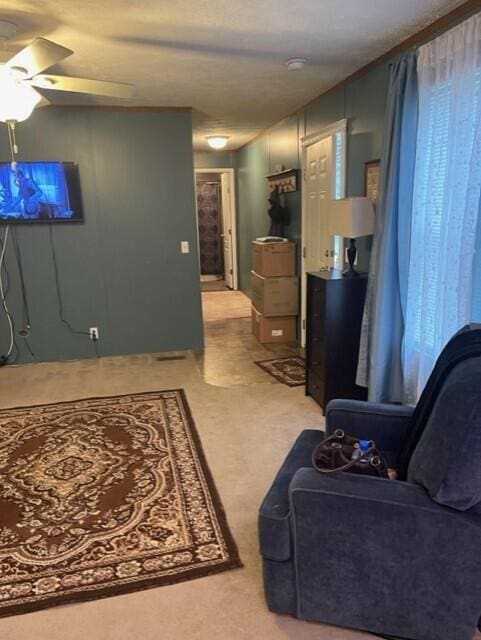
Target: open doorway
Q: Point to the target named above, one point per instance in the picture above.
(216, 218)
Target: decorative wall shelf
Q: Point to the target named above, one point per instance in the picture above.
(286, 181)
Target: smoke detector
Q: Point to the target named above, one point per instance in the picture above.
(295, 64)
(8, 30)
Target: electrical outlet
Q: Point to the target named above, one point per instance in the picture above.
(184, 246)
(94, 333)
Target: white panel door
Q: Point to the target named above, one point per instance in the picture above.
(227, 230)
(318, 193)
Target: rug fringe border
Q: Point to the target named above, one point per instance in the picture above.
(197, 572)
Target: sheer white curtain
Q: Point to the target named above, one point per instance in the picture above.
(446, 199)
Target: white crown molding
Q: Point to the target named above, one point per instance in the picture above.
(337, 127)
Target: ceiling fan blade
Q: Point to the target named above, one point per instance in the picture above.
(38, 56)
(82, 85)
(44, 102)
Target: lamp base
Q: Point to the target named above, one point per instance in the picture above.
(351, 258)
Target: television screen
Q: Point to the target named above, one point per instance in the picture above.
(40, 192)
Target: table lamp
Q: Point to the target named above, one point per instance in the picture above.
(351, 218)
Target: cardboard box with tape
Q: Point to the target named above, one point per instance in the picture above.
(275, 296)
(273, 259)
(273, 329)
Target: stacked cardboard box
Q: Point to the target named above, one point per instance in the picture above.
(275, 292)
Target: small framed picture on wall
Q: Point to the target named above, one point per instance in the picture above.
(372, 178)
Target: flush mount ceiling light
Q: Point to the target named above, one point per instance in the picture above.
(217, 142)
(295, 64)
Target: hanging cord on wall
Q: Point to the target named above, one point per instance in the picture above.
(18, 257)
(5, 358)
(26, 325)
(6, 288)
(96, 349)
(5, 274)
(59, 293)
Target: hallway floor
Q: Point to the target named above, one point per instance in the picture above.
(216, 284)
(224, 305)
(230, 348)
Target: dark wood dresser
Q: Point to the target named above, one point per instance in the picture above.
(335, 307)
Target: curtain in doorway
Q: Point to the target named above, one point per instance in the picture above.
(210, 228)
(380, 358)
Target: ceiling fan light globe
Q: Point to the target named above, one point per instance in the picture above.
(17, 100)
(217, 142)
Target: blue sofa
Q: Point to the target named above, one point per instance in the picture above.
(401, 558)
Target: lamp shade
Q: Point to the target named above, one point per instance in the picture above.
(351, 217)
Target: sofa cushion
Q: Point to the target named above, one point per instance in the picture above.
(274, 527)
(446, 461)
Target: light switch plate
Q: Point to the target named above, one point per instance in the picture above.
(184, 246)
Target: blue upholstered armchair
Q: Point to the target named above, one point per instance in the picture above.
(395, 557)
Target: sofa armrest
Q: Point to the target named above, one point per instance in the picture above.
(387, 424)
(369, 550)
(273, 523)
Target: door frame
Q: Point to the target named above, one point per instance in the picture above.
(339, 127)
(231, 181)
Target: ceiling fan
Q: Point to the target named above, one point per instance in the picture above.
(21, 76)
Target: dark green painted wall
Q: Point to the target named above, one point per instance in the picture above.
(122, 269)
(214, 159)
(362, 102)
(252, 221)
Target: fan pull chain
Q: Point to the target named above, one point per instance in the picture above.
(12, 140)
(15, 147)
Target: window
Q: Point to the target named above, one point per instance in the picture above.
(339, 162)
(446, 199)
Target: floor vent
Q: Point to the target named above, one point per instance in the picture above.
(169, 358)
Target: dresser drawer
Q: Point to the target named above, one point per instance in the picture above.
(316, 352)
(315, 386)
(316, 327)
(317, 303)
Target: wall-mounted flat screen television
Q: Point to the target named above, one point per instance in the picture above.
(40, 192)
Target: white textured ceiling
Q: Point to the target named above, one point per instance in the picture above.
(223, 58)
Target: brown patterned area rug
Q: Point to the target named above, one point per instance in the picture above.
(104, 496)
(290, 371)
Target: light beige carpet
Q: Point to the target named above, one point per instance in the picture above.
(246, 431)
(223, 305)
